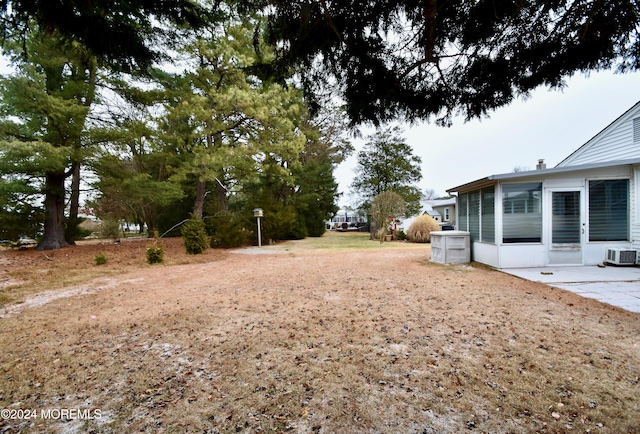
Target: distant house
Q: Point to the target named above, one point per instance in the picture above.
(566, 215)
(347, 219)
(446, 208)
(442, 210)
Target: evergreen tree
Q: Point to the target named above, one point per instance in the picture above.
(229, 127)
(387, 163)
(44, 109)
(316, 189)
(416, 59)
(20, 213)
(123, 34)
(133, 166)
(425, 59)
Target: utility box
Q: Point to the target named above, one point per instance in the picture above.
(450, 247)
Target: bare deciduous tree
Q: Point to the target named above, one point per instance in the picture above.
(384, 209)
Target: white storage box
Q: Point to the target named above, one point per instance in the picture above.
(450, 247)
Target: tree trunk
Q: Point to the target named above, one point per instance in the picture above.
(54, 213)
(74, 205)
(198, 207)
(221, 193)
(150, 222)
(151, 230)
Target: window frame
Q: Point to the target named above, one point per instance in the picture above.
(608, 206)
(522, 206)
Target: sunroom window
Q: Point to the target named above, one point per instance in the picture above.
(476, 214)
(463, 216)
(488, 215)
(522, 213)
(609, 210)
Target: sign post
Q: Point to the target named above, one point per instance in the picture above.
(257, 213)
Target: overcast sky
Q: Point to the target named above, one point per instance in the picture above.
(549, 125)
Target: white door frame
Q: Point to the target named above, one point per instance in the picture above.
(565, 253)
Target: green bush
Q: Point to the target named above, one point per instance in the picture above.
(279, 222)
(229, 229)
(110, 228)
(155, 254)
(100, 259)
(298, 230)
(421, 228)
(401, 235)
(18, 219)
(73, 230)
(316, 226)
(194, 235)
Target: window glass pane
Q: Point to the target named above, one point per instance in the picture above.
(609, 210)
(522, 213)
(463, 224)
(488, 215)
(474, 215)
(565, 224)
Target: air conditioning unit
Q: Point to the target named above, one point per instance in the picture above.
(621, 256)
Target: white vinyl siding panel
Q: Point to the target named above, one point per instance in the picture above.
(634, 206)
(617, 144)
(619, 141)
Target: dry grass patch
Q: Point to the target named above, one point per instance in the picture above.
(24, 272)
(354, 341)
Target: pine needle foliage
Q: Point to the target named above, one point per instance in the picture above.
(194, 235)
(154, 253)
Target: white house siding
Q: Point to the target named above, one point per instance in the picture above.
(514, 255)
(594, 252)
(522, 255)
(611, 154)
(614, 143)
(635, 208)
(486, 254)
(452, 213)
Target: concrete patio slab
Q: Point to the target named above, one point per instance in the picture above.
(618, 286)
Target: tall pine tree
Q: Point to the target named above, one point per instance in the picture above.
(45, 104)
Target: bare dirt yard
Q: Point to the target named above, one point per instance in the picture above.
(304, 337)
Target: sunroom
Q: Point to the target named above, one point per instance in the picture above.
(559, 216)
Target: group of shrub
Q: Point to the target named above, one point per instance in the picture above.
(224, 230)
(229, 234)
(154, 254)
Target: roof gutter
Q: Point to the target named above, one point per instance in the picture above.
(484, 182)
(493, 179)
